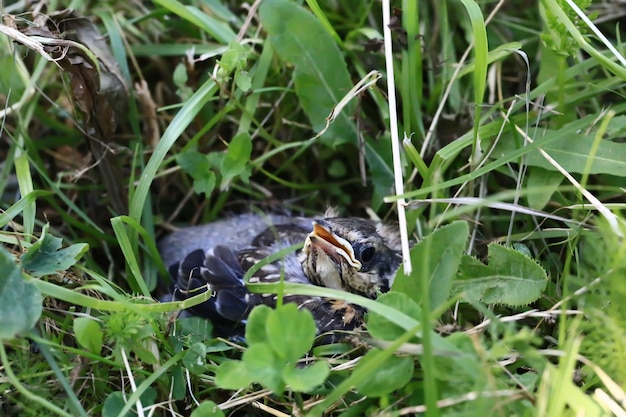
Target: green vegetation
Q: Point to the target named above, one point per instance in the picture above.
(121, 121)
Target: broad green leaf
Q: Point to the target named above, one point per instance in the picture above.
(116, 401)
(198, 167)
(380, 327)
(306, 378)
(207, 409)
(233, 59)
(195, 358)
(379, 160)
(510, 278)
(256, 331)
(243, 80)
(46, 257)
(290, 331)
(572, 151)
(20, 300)
(544, 180)
(233, 375)
(180, 75)
(218, 29)
(88, 334)
(320, 75)
(195, 329)
(264, 366)
(237, 157)
(393, 374)
(179, 382)
(435, 258)
(114, 404)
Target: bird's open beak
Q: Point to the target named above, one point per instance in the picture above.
(334, 246)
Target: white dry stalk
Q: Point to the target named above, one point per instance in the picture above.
(481, 202)
(602, 397)
(395, 139)
(597, 32)
(449, 402)
(613, 387)
(30, 42)
(524, 315)
(131, 379)
(370, 79)
(236, 401)
(611, 218)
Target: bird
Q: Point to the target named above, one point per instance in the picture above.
(352, 254)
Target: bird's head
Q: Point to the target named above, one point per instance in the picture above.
(350, 254)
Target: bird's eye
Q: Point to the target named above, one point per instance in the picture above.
(367, 254)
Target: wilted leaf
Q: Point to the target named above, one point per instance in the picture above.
(510, 278)
(97, 85)
(20, 300)
(45, 256)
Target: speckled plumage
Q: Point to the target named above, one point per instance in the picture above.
(350, 254)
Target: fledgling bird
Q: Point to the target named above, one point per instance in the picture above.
(349, 254)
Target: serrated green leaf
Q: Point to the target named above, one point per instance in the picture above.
(256, 331)
(320, 76)
(88, 334)
(46, 257)
(437, 257)
(207, 409)
(307, 378)
(290, 331)
(237, 157)
(233, 375)
(393, 374)
(380, 327)
(264, 366)
(20, 300)
(510, 278)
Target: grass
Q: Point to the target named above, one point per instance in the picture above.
(513, 118)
